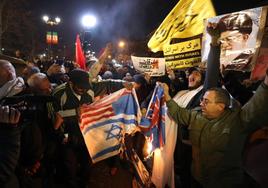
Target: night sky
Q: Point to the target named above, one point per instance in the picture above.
(131, 19)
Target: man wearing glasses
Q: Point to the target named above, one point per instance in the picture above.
(218, 131)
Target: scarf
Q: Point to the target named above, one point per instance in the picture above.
(12, 88)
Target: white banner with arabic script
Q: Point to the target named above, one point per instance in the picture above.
(149, 65)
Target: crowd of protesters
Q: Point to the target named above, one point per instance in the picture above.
(42, 146)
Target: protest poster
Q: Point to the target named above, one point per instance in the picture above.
(261, 65)
(240, 36)
(183, 54)
(184, 20)
(179, 35)
(149, 65)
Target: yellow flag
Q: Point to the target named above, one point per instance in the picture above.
(185, 20)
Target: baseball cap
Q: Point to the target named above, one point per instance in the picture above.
(80, 78)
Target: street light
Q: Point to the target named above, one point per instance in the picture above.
(121, 44)
(52, 37)
(50, 21)
(89, 21)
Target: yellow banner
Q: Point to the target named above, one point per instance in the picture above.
(185, 20)
(182, 47)
(183, 54)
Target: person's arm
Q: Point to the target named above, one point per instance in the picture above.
(9, 142)
(96, 67)
(255, 112)
(57, 118)
(180, 115)
(213, 61)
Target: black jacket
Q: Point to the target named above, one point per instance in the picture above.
(9, 151)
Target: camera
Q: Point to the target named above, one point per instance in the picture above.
(28, 105)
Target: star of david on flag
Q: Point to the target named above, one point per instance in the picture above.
(104, 122)
(114, 132)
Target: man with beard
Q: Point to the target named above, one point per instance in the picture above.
(235, 30)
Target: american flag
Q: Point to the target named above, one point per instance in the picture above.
(153, 124)
(104, 122)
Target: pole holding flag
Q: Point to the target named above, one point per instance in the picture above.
(79, 54)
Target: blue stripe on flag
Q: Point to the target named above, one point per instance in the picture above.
(126, 105)
(107, 150)
(109, 121)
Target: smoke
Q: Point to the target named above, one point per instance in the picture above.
(123, 19)
(130, 19)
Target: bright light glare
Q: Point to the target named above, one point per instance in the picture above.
(45, 18)
(121, 44)
(89, 21)
(57, 19)
(149, 148)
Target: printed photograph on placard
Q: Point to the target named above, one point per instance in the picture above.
(239, 33)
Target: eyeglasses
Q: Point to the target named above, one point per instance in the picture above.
(205, 101)
(232, 38)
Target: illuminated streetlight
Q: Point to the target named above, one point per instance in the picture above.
(50, 21)
(121, 44)
(45, 18)
(89, 21)
(57, 19)
(51, 36)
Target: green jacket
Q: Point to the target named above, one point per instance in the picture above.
(221, 140)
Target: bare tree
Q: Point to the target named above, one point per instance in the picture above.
(2, 29)
(18, 27)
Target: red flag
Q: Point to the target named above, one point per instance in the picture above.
(79, 54)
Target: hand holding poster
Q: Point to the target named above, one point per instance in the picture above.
(149, 65)
(239, 34)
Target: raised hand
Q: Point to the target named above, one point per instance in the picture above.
(214, 32)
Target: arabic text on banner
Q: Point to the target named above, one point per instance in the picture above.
(149, 65)
(184, 54)
(185, 20)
